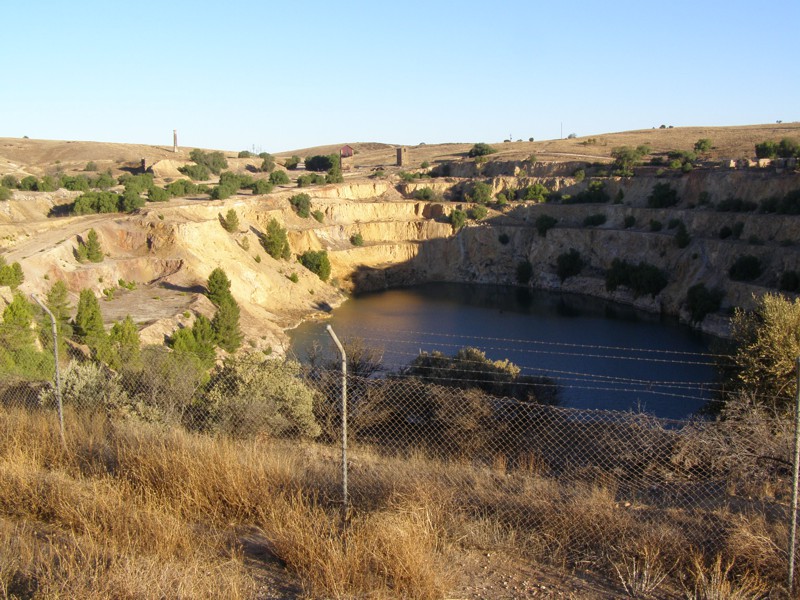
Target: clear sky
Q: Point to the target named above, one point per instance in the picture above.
(291, 74)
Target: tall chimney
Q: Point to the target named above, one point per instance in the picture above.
(174, 140)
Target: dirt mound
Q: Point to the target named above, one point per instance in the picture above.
(167, 169)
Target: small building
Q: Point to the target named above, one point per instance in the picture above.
(346, 151)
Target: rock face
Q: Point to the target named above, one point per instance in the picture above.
(174, 246)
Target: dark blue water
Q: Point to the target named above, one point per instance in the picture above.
(602, 355)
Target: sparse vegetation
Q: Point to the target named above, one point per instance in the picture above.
(458, 218)
(477, 212)
(357, 239)
(545, 223)
(424, 193)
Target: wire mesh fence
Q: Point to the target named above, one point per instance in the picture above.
(584, 482)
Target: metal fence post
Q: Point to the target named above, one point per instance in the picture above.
(58, 375)
(796, 464)
(345, 500)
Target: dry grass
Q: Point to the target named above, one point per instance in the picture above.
(138, 511)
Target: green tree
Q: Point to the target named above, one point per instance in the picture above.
(478, 212)
(213, 161)
(544, 223)
(481, 149)
(627, 157)
(301, 203)
(225, 326)
(291, 163)
(357, 239)
(745, 268)
(275, 241)
(90, 249)
(88, 322)
(5, 194)
(317, 262)
(261, 186)
(569, 264)
(662, 196)
(524, 272)
(536, 193)
(231, 221)
(702, 145)
(245, 154)
(766, 150)
(278, 178)
(17, 322)
(334, 174)
(321, 162)
(157, 194)
(123, 348)
(219, 287)
(196, 172)
(10, 181)
(268, 163)
(701, 301)
(481, 193)
(198, 341)
(57, 300)
(458, 218)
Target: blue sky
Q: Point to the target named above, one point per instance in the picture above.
(284, 75)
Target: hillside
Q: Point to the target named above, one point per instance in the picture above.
(169, 248)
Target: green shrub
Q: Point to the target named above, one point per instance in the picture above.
(245, 154)
(10, 181)
(725, 232)
(424, 193)
(195, 172)
(481, 193)
(47, 184)
(655, 225)
(458, 219)
(662, 196)
(10, 275)
(481, 149)
(278, 178)
(29, 183)
(81, 183)
(261, 186)
(96, 202)
(317, 262)
(5, 194)
(629, 221)
(682, 237)
(594, 220)
(569, 264)
(524, 272)
(701, 301)
(736, 205)
(503, 238)
(767, 149)
(213, 161)
(301, 203)
(745, 268)
(267, 163)
(219, 287)
(579, 175)
(310, 179)
(477, 213)
(222, 192)
(275, 241)
(157, 194)
(251, 396)
(425, 164)
(673, 223)
(291, 163)
(318, 215)
(181, 187)
(702, 145)
(357, 239)
(627, 157)
(294, 278)
(595, 193)
(545, 223)
(535, 193)
(642, 279)
(334, 174)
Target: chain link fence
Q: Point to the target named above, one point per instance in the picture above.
(573, 485)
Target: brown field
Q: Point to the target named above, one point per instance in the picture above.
(25, 156)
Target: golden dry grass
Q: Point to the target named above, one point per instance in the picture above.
(131, 510)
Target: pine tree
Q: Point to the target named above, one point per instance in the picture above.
(231, 221)
(10, 275)
(88, 319)
(124, 348)
(219, 287)
(225, 325)
(275, 241)
(17, 320)
(90, 249)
